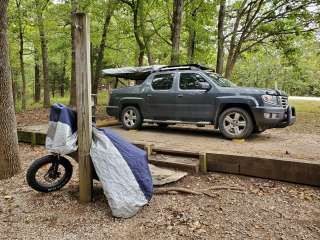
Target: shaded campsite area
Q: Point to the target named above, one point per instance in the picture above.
(260, 208)
(257, 208)
(106, 113)
(298, 141)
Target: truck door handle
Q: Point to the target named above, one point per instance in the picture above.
(149, 95)
(180, 95)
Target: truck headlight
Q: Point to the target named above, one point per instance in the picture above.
(271, 99)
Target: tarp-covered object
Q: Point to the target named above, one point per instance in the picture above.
(122, 168)
(123, 171)
(62, 132)
(134, 73)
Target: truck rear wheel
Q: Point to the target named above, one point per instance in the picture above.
(131, 118)
(235, 123)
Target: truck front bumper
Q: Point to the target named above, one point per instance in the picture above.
(274, 117)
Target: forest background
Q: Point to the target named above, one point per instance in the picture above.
(258, 43)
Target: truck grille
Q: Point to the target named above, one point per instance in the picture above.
(284, 101)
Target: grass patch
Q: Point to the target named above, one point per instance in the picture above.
(102, 101)
(306, 106)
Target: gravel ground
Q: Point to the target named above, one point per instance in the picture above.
(279, 143)
(264, 209)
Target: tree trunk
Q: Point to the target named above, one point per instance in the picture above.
(9, 159)
(191, 21)
(44, 54)
(176, 30)
(137, 31)
(23, 78)
(102, 46)
(146, 37)
(220, 52)
(63, 77)
(37, 85)
(148, 51)
(229, 67)
(234, 48)
(73, 97)
(53, 86)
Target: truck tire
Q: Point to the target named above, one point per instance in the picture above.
(235, 123)
(44, 174)
(131, 118)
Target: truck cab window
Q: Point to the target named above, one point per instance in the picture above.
(190, 81)
(162, 81)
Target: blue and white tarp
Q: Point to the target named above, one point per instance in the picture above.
(122, 168)
(62, 132)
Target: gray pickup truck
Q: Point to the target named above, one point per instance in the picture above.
(194, 94)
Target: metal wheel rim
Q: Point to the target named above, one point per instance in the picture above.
(130, 118)
(234, 123)
(43, 178)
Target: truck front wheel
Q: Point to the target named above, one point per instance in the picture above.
(235, 123)
(131, 118)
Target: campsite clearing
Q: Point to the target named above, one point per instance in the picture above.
(266, 209)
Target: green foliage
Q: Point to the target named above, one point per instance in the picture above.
(290, 61)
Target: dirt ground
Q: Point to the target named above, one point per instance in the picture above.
(300, 141)
(274, 142)
(264, 209)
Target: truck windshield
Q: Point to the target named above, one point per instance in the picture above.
(219, 80)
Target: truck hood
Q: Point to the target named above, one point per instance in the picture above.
(257, 91)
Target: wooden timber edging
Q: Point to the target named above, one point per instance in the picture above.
(289, 170)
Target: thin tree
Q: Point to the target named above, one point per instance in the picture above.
(108, 15)
(40, 7)
(37, 84)
(9, 160)
(73, 96)
(136, 7)
(220, 47)
(176, 31)
(192, 16)
(21, 52)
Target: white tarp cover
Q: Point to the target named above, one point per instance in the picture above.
(134, 73)
(122, 168)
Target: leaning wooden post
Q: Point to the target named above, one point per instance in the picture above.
(84, 114)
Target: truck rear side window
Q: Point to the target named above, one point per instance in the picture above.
(162, 81)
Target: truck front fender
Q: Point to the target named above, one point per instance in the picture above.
(223, 101)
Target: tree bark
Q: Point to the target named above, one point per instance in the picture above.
(102, 46)
(73, 96)
(9, 160)
(146, 37)
(37, 85)
(137, 31)
(176, 30)
(191, 45)
(23, 78)
(63, 77)
(191, 21)
(44, 55)
(220, 51)
(233, 54)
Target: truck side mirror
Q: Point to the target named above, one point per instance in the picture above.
(205, 86)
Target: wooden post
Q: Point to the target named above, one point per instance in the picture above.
(84, 114)
(203, 162)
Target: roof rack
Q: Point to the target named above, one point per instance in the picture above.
(183, 67)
